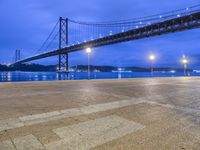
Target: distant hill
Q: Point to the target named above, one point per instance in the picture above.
(52, 68)
(28, 67)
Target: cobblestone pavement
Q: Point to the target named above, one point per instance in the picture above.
(146, 114)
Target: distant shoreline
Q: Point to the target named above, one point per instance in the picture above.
(83, 68)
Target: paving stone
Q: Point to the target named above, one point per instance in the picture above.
(28, 142)
(91, 133)
(55, 115)
(10, 124)
(39, 116)
(6, 145)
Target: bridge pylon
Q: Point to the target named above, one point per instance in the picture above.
(17, 55)
(63, 43)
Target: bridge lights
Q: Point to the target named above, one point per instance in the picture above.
(152, 57)
(184, 62)
(88, 51)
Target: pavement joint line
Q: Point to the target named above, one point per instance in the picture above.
(12, 142)
(7, 145)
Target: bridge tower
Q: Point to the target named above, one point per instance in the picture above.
(63, 43)
(17, 55)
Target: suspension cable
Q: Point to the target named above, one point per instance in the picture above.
(135, 20)
(45, 42)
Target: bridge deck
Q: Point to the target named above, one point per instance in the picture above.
(106, 114)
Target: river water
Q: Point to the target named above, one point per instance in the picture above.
(50, 76)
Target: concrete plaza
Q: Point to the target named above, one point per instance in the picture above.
(125, 114)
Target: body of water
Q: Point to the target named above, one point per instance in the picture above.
(50, 76)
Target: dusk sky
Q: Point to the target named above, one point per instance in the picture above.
(25, 24)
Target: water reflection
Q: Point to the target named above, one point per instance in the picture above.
(9, 76)
(36, 78)
(119, 75)
(62, 76)
(46, 76)
(6, 76)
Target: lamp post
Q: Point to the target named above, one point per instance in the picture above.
(88, 51)
(152, 58)
(185, 62)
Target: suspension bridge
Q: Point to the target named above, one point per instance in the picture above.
(69, 36)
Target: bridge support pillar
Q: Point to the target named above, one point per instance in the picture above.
(63, 42)
(17, 55)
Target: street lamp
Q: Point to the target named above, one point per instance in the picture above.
(184, 62)
(88, 51)
(152, 58)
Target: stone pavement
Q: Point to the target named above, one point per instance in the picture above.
(147, 114)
